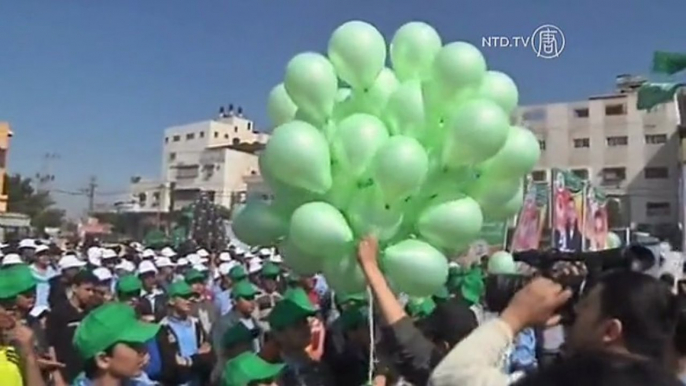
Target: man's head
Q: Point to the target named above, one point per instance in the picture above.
(354, 323)
(248, 369)
(42, 256)
(571, 211)
(129, 289)
(290, 320)
(237, 340)
(196, 280)
(112, 341)
(243, 295)
(147, 272)
(627, 312)
(83, 288)
(18, 289)
(180, 295)
(270, 275)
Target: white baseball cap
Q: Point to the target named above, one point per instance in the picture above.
(102, 274)
(146, 266)
(108, 254)
(42, 248)
(225, 256)
(200, 268)
(255, 265)
(125, 265)
(276, 259)
(70, 261)
(11, 259)
(94, 256)
(148, 253)
(138, 247)
(27, 243)
(182, 262)
(202, 253)
(265, 252)
(168, 252)
(162, 262)
(195, 259)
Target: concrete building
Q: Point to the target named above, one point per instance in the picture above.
(212, 156)
(633, 155)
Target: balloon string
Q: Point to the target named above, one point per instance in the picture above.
(372, 339)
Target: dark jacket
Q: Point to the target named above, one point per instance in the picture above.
(310, 373)
(57, 293)
(174, 373)
(159, 311)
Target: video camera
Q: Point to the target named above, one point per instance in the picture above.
(500, 288)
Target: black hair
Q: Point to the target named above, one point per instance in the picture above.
(668, 278)
(680, 330)
(646, 308)
(601, 368)
(85, 277)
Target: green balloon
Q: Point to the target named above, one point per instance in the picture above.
(280, 107)
(356, 141)
(345, 105)
(373, 99)
(458, 65)
(413, 49)
(369, 215)
(501, 89)
(404, 112)
(318, 228)
(476, 132)
(506, 210)
(341, 190)
(452, 223)
(415, 267)
(400, 168)
(312, 85)
(358, 53)
(297, 154)
(493, 192)
(304, 116)
(258, 224)
(299, 261)
(344, 275)
(613, 240)
(517, 157)
(501, 262)
(287, 198)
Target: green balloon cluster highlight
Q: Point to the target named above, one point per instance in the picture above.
(409, 140)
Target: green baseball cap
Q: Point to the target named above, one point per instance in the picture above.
(359, 298)
(243, 289)
(420, 307)
(353, 317)
(270, 270)
(248, 368)
(294, 307)
(129, 284)
(237, 334)
(21, 279)
(238, 273)
(193, 275)
(108, 325)
(179, 288)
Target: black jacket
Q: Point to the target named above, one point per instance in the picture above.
(159, 311)
(174, 373)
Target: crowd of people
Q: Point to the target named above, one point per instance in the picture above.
(134, 316)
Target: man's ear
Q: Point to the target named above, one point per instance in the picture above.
(102, 361)
(612, 331)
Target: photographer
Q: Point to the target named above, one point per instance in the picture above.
(626, 313)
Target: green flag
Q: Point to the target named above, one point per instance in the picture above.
(653, 94)
(668, 62)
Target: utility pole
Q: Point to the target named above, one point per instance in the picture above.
(92, 185)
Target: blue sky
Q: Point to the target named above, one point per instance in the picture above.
(97, 81)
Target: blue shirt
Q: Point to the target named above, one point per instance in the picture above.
(524, 355)
(42, 284)
(142, 380)
(222, 300)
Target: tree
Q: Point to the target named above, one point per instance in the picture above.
(23, 198)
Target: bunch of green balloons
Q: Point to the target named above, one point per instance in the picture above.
(419, 153)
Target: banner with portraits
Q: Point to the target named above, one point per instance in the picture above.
(532, 218)
(596, 227)
(567, 209)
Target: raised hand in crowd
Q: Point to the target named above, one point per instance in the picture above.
(536, 305)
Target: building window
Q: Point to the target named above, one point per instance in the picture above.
(656, 139)
(581, 113)
(582, 142)
(172, 157)
(226, 136)
(617, 109)
(235, 129)
(249, 126)
(202, 134)
(539, 175)
(155, 200)
(655, 209)
(535, 115)
(190, 136)
(654, 173)
(541, 144)
(142, 199)
(166, 139)
(216, 134)
(621, 140)
(253, 173)
(236, 141)
(187, 171)
(176, 138)
(613, 175)
(581, 173)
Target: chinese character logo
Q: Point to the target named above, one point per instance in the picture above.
(548, 41)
